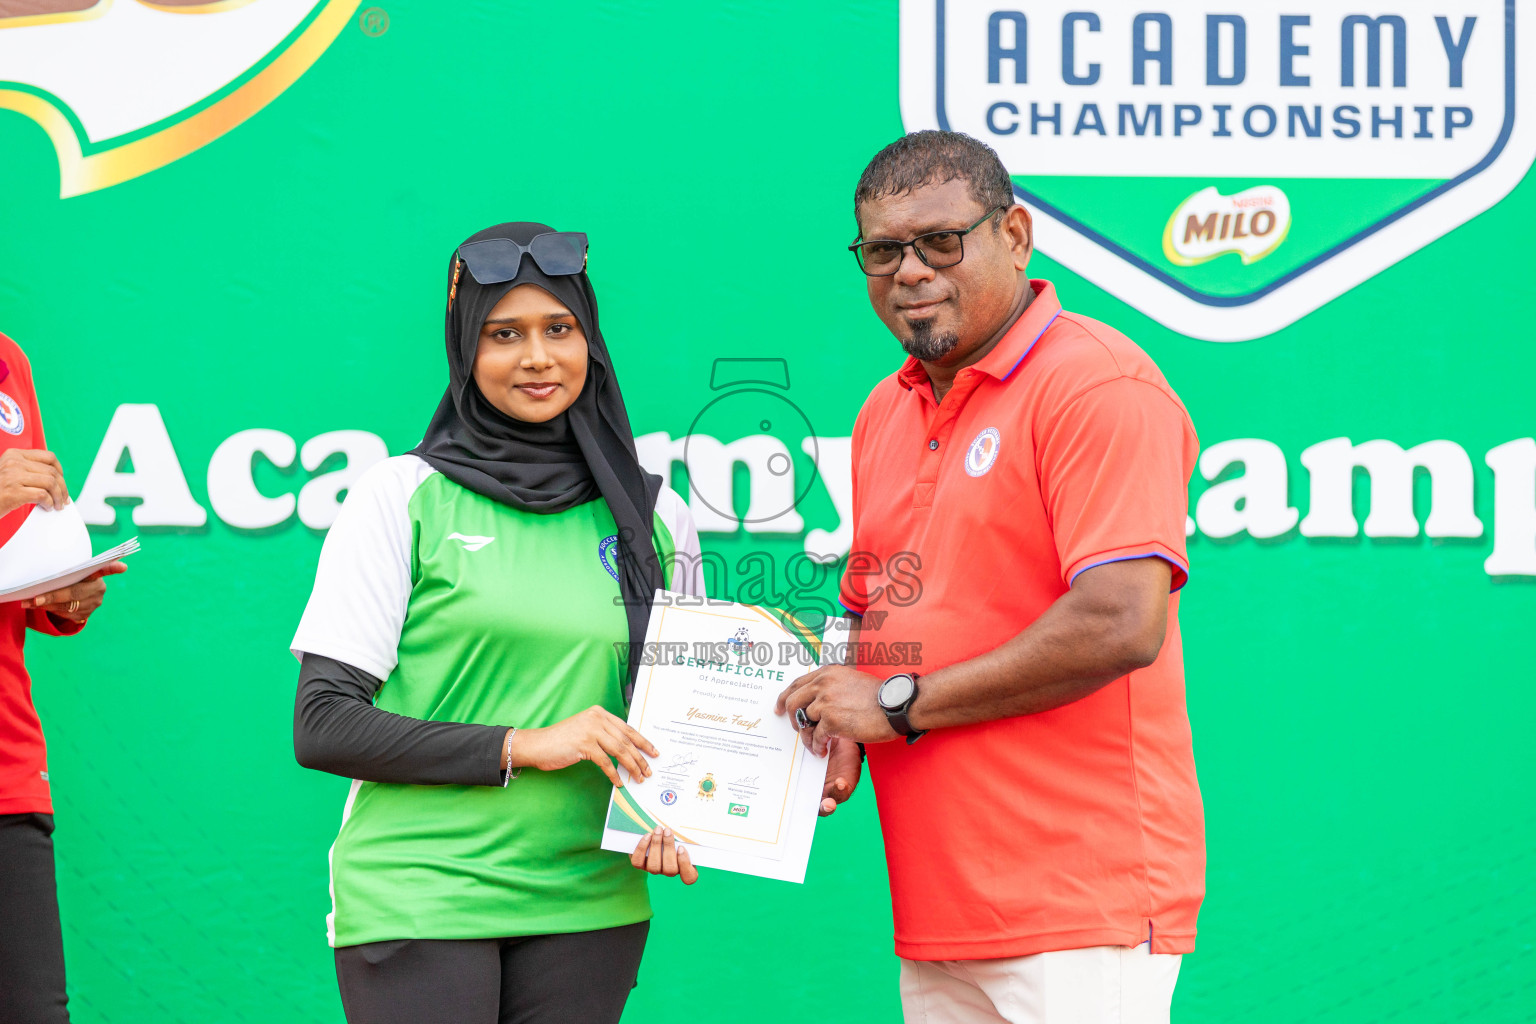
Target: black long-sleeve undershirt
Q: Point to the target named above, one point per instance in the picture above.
(337, 729)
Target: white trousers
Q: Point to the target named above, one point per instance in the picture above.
(1097, 985)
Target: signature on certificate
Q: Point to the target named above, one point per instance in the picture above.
(680, 763)
(746, 782)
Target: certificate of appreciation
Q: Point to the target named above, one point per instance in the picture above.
(733, 781)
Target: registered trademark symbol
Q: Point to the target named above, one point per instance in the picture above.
(374, 21)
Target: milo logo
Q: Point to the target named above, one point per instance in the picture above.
(1251, 224)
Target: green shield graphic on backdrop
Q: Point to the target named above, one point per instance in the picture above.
(1228, 173)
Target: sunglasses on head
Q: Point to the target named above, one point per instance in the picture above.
(494, 260)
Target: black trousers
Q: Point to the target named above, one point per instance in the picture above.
(31, 940)
(575, 978)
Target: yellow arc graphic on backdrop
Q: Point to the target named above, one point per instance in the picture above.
(80, 173)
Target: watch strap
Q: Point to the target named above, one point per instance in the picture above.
(898, 716)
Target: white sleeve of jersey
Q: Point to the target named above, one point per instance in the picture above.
(687, 572)
(363, 582)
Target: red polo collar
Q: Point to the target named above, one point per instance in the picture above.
(1011, 350)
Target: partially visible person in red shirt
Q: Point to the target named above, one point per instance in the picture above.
(31, 939)
(1019, 511)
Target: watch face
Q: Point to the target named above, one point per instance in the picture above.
(896, 691)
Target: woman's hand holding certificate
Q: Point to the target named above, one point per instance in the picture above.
(661, 854)
(731, 778)
(595, 735)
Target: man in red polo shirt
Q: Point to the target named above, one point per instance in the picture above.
(31, 943)
(1019, 505)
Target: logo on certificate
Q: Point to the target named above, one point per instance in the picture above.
(11, 420)
(741, 643)
(669, 797)
(707, 786)
(740, 810)
(983, 452)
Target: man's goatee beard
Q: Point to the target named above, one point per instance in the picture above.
(926, 345)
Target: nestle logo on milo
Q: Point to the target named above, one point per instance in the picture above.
(1314, 144)
(1251, 224)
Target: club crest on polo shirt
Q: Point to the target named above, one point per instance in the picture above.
(11, 419)
(982, 453)
(608, 555)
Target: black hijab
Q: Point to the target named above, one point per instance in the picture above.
(585, 453)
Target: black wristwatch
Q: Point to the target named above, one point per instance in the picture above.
(895, 697)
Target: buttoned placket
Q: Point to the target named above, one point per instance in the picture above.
(941, 418)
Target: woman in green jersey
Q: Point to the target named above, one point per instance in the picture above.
(467, 659)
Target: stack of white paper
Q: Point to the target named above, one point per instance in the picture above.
(52, 550)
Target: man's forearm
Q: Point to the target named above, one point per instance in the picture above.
(1111, 622)
(1092, 635)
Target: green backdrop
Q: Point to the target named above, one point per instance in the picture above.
(1358, 705)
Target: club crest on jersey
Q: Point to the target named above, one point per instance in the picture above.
(608, 555)
(125, 88)
(11, 419)
(982, 453)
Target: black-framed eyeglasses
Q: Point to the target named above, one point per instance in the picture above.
(881, 257)
(494, 260)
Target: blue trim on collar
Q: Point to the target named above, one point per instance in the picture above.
(1031, 346)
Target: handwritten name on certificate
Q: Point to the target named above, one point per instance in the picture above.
(733, 781)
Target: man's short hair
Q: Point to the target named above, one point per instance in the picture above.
(933, 158)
